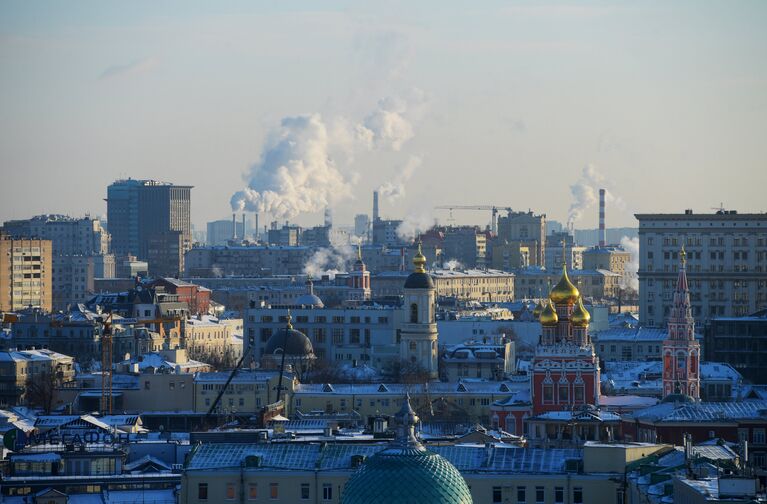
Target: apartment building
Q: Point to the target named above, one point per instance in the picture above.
(18, 368)
(26, 273)
(462, 284)
(726, 255)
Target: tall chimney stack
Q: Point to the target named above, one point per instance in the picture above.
(375, 206)
(602, 232)
(234, 226)
(244, 235)
(256, 228)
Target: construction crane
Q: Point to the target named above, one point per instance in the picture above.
(493, 209)
(107, 352)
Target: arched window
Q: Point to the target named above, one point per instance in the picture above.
(412, 346)
(414, 313)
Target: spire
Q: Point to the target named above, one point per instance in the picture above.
(681, 311)
(419, 261)
(406, 420)
(359, 251)
(289, 319)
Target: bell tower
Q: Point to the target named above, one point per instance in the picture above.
(681, 352)
(418, 333)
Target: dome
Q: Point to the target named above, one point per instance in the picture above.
(549, 315)
(580, 317)
(310, 300)
(294, 342)
(564, 292)
(419, 279)
(406, 472)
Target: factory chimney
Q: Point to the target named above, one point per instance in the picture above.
(375, 206)
(234, 226)
(602, 235)
(255, 237)
(244, 236)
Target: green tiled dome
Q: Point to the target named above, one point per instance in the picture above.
(406, 473)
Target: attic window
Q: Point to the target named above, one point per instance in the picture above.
(504, 388)
(382, 388)
(327, 388)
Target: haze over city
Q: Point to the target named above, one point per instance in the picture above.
(492, 103)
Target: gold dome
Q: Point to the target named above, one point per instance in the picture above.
(580, 317)
(549, 315)
(419, 260)
(564, 292)
(538, 309)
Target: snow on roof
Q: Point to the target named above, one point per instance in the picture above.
(308, 457)
(652, 334)
(36, 457)
(399, 389)
(704, 411)
(146, 459)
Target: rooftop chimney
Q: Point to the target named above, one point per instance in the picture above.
(375, 206)
(602, 235)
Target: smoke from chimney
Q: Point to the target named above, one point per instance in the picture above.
(602, 232)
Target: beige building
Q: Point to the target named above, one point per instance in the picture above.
(726, 256)
(595, 284)
(466, 285)
(25, 274)
(18, 368)
(509, 256)
(249, 391)
(205, 335)
(528, 228)
(297, 472)
(606, 258)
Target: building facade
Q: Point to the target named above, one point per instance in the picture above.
(528, 228)
(26, 273)
(726, 264)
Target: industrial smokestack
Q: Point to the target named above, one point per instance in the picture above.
(602, 233)
(234, 226)
(256, 228)
(243, 226)
(375, 206)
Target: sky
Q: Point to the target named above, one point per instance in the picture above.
(288, 107)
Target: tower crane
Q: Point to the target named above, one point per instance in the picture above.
(493, 212)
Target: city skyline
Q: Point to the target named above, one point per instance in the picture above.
(534, 93)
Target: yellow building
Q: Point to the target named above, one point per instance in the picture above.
(45, 368)
(296, 472)
(249, 391)
(26, 274)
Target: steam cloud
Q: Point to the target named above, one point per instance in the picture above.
(630, 279)
(297, 172)
(416, 223)
(330, 260)
(453, 264)
(395, 188)
(585, 193)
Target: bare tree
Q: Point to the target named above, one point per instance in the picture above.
(219, 360)
(42, 390)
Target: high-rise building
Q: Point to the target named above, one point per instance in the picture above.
(143, 214)
(527, 228)
(561, 247)
(466, 244)
(25, 273)
(361, 224)
(80, 253)
(221, 231)
(681, 351)
(726, 264)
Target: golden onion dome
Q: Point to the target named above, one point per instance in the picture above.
(538, 309)
(549, 315)
(419, 260)
(580, 317)
(564, 292)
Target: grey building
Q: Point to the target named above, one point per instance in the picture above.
(726, 256)
(466, 244)
(528, 228)
(146, 215)
(740, 342)
(221, 231)
(247, 261)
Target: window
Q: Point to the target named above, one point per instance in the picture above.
(413, 313)
(540, 495)
(521, 498)
(758, 436)
(559, 495)
(497, 494)
(274, 490)
(202, 491)
(577, 495)
(548, 393)
(252, 491)
(304, 491)
(579, 393)
(327, 492)
(230, 491)
(563, 393)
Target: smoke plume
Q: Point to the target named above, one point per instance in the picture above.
(305, 163)
(453, 264)
(331, 260)
(395, 188)
(585, 193)
(630, 279)
(295, 173)
(415, 223)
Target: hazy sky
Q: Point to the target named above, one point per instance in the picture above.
(503, 103)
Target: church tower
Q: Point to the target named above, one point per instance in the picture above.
(681, 352)
(359, 279)
(565, 367)
(418, 333)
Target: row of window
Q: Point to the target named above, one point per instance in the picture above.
(540, 495)
(320, 319)
(272, 491)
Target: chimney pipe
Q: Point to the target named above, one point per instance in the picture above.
(244, 235)
(602, 233)
(375, 206)
(256, 228)
(234, 226)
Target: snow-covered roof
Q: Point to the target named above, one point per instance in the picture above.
(399, 389)
(704, 411)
